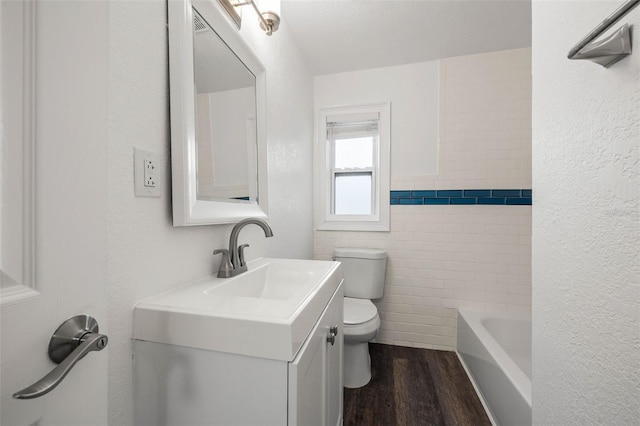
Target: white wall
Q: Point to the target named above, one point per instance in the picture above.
(413, 90)
(146, 254)
(465, 122)
(586, 223)
(290, 136)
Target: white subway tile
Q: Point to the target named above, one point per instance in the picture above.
(432, 293)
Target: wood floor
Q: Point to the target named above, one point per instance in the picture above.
(411, 386)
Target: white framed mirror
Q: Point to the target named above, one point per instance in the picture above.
(218, 121)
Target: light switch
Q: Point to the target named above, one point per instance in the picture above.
(146, 173)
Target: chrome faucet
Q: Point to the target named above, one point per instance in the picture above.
(233, 262)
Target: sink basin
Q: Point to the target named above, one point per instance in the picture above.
(275, 280)
(267, 311)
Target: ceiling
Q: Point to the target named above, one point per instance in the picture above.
(347, 35)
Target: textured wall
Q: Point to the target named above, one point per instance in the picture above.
(146, 255)
(442, 258)
(290, 138)
(586, 224)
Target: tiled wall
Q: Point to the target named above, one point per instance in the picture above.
(510, 197)
(460, 256)
(485, 124)
(442, 258)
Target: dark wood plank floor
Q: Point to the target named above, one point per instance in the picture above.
(411, 386)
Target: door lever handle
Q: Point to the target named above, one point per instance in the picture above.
(333, 332)
(75, 338)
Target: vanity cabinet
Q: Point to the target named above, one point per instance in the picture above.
(176, 384)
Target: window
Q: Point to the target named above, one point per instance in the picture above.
(352, 179)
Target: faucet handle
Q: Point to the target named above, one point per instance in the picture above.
(241, 254)
(225, 266)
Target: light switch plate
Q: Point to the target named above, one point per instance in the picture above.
(146, 173)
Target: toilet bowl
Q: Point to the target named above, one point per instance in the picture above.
(361, 325)
(363, 271)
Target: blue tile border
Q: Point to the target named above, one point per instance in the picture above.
(441, 200)
(509, 197)
(522, 201)
(430, 194)
(468, 200)
(492, 200)
(506, 192)
(477, 193)
(450, 193)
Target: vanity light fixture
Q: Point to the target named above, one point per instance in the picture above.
(269, 19)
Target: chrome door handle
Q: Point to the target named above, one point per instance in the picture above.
(75, 338)
(333, 332)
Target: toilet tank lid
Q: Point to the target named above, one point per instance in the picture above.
(360, 253)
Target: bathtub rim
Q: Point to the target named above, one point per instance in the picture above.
(512, 370)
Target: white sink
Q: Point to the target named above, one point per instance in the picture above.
(278, 280)
(267, 311)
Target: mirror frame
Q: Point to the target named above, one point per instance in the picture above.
(187, 209)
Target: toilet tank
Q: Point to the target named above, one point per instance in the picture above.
(363, 271)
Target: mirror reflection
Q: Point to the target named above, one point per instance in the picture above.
(226, 141)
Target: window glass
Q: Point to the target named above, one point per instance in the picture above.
(353, 153)
(353, 193)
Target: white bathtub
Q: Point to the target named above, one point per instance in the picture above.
(496, 352)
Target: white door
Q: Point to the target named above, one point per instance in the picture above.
(53, 180)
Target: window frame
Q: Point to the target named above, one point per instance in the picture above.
(325, 173)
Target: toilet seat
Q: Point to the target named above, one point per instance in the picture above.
(358, 311)
(361, 320)
(362, 332)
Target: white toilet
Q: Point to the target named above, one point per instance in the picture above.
(363, 271)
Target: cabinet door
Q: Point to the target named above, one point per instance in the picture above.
(334, 389)
(315, 375)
